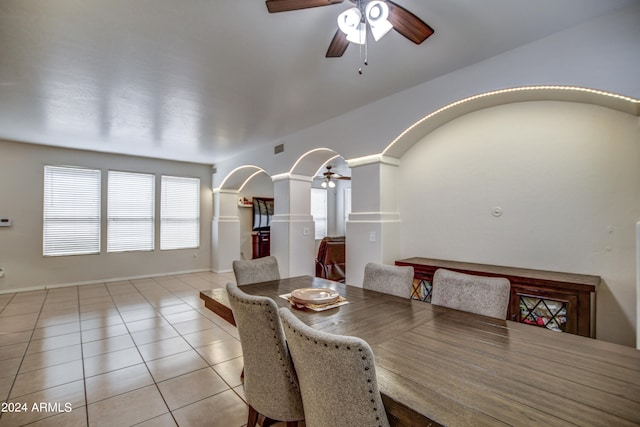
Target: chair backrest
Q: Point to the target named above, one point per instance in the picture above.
(256, 270)
(389, 279)
(330, 263)
(270, 381)
(337, 376)
(488, 296)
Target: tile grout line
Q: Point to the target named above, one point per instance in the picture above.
(192, 347)
(24, 354)
(135, 344)
(46, 295)
(230, 388)
(155, 383)
(185, 296)
(84, 374)
(225, 381)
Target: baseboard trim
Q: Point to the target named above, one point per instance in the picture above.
(94, 282)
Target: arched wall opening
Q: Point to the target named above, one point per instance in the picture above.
(566, 176)
(238, 177)
(310, 162)
(308, 207)
(257, 185)
(230, 219)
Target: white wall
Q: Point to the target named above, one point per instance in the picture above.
(21, 195)
(638, 285)
(567, 177)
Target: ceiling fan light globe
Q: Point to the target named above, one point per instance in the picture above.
(349, 20)
(377, 14)
(324, 184)
(350, 23)
(376, 11)
(380, 30)
(332, 184)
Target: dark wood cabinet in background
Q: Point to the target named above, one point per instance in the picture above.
(261, 244)
(558, 301)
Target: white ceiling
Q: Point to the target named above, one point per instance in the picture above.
(201, 80)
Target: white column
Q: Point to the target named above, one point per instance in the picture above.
(225, 230)
(292, 226)
(374, 227)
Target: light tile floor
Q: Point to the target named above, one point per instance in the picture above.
(141, 352)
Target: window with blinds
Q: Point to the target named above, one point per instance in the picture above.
(130, 211)
(179, 212)
(319, 211)
(71, 213)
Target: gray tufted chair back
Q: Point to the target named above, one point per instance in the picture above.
(389, 279)
(256, 270)
(337, 376)
(488, 296)
(270, 382)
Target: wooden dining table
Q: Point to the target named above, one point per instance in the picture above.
(438, 366)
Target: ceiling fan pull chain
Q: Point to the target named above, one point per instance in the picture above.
(366, 49)
(362, 42)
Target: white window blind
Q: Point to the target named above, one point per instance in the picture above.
(179, 213)
(71, 214)
(319, 211)
(347, 205)
(130, 211)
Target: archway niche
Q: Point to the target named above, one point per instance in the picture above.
(226, 225)
(374, 230)
(563, 166)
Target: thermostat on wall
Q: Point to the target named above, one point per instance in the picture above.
(5, 222)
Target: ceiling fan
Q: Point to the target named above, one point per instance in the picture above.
(367, 13)
(329, 177)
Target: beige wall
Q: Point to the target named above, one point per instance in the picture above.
(567, 177)
(21, 183)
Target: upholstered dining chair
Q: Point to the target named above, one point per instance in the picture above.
(389, 279)
(488, 296)
(337, 376)
(270, 382)
(256, 270)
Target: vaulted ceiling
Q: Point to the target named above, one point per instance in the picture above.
(202, 80)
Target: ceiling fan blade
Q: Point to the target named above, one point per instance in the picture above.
(275, 6)
(348, 178)
(338, 45)
(408, 24)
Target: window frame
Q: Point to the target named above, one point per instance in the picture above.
(165, 220)
(115, 218)
(54, 244)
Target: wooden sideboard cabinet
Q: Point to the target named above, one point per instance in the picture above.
(559, 301)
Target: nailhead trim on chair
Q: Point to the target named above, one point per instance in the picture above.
(275, 337)
(366, 368)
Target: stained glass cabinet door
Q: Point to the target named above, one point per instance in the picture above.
(553, 311)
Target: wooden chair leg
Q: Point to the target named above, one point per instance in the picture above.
(253, 417)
